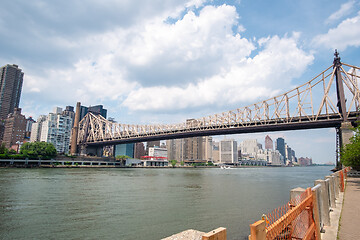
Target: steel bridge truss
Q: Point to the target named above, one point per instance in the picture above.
(298, 106)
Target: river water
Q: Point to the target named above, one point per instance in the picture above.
(140, 204)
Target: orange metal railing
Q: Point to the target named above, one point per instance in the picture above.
(294, 220)
(298, 219)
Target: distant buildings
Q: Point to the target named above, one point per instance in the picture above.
(270, 156)
(305, 161)
(11, 80)
(54, 128)
(249, 148)
(228, 151)
(15, 125)
(190, 149)
(252, 150)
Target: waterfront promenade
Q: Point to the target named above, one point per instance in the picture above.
(350, 216)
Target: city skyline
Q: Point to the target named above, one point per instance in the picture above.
(177, 60)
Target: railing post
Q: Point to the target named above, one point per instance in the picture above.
(258, 230)
(337, 184)
(324, 200)
(331, 191)
(342, 184)
(316, 214)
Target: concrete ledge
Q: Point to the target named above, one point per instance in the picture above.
(190, 234)
(332, 230)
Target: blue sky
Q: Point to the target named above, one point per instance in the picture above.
(166, 61)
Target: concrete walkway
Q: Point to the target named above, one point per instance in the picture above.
(350, 217)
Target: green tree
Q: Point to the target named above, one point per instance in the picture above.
(350, 154)
(38, 150)
(173, 163)
(3, 149)
(12, 151)
(121, 157)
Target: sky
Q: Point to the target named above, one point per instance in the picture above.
(167, 61)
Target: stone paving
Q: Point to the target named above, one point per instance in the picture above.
(349, 228)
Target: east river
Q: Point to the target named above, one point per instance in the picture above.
(141, 203)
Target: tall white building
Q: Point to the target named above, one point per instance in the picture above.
(228, 151)
(250, 147)
(54, 128)
(36, 129)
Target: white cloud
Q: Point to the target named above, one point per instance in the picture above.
(246, 80)
(192, 48)
(196, 3)
(155, 65)
(87, 81)
(344, 10)
(346, 34)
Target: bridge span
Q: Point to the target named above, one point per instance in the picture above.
(330, 99)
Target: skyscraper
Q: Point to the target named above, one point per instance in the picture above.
(268, 143)
(11, 80)
(280, 146)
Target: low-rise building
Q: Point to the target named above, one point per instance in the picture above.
(158, 152)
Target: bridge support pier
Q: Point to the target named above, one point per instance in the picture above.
(91, 151)
(344, 133)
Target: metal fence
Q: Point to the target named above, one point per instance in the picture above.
(305, 215)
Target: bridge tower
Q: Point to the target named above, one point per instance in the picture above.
(344, 132)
